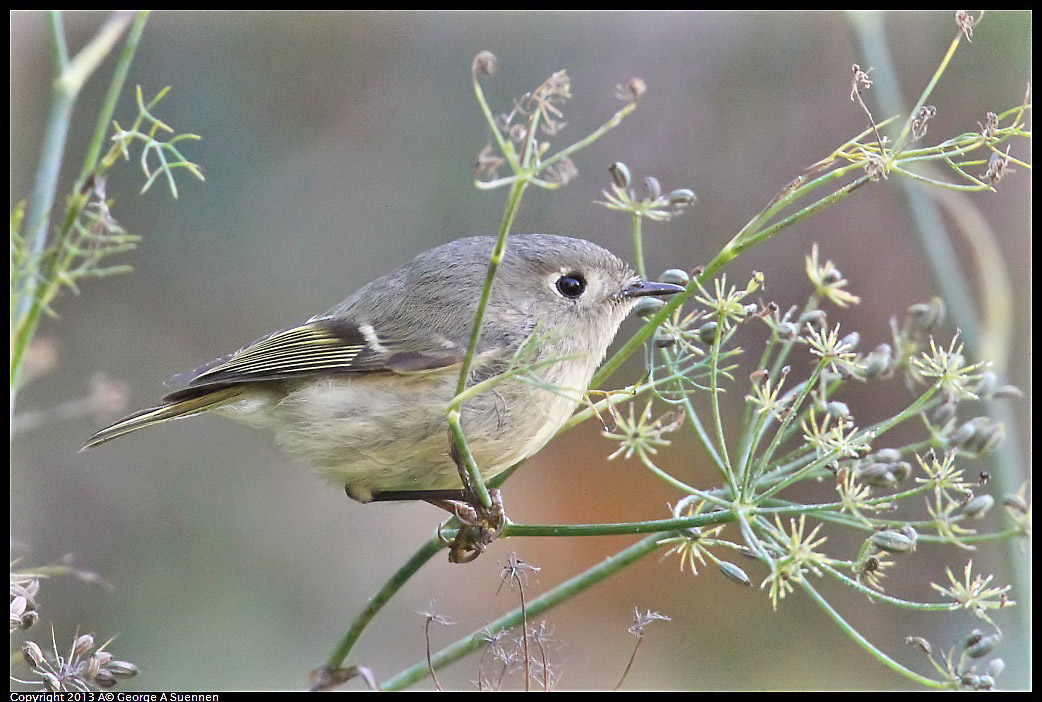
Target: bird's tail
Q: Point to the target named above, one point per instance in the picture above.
(174, 409)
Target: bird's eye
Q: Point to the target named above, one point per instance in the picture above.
(571, 286)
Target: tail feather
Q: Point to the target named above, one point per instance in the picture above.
(164, 413)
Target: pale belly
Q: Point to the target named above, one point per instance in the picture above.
(375, 434)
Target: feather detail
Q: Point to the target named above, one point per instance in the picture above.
(164, 413)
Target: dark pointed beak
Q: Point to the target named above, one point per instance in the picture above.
(641, 288)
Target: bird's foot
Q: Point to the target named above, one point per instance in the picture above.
(479, 526)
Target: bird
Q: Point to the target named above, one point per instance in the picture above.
(360, 392)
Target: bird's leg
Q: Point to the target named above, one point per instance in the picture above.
(439, 498)
(479, 525)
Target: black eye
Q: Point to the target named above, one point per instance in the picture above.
(572, 285)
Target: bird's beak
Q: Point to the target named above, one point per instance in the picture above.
(641, 288)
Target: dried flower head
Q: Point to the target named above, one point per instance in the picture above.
(859, 81)
(488, 163)
(632, 90)
(85, 669)
(547, 98)
(641, 621)
(990, 126)
(562, 172)
(966, 22)
(515, 571)
(484, 64)
(875, 165)
(998, 167)
(924, 115)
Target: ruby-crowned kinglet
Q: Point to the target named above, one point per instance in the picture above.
(360, 392)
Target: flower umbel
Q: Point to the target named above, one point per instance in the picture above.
(726, 303)
(798, 557)
(855, 495)
(828, 281)
(693, 544)
(973, 593)
(840, 441)
(654, 205)
(764, 394)
(641, 435)
(837, 353)
(949, 367)
(943, 475)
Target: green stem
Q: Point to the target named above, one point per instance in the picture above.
(871, 433)
(45, 185)
(745, 239)
(108, 107)
(477, 482)
(714, 397)
(418, 559)
(937, 152)
(703, 435)
(498, 251)
(902, 138)
(626, 528)
(745, 458)
(691, 414)
(667, 478)
(70, 75)
(791, 508)
(505, 146)
(615, 120)
(877, 596)
(939, 183)
(638, 246)
(749, 431)
(513, 204)
(793, 412)
(764, 234)
(865, 643)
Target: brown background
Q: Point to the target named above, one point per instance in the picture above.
(336, 146)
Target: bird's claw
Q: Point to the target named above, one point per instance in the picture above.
(479, 526)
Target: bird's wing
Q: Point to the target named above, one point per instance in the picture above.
(323, 346)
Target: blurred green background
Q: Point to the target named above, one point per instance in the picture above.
(338, 145)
